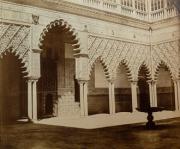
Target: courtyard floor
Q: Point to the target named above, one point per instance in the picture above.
(135, 136)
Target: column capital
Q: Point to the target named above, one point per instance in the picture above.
(151, 81)
(154, 81)
(37, 50)
(134, 82)
(33, 78)
(82, 81)
(176, 80)
(111, 81)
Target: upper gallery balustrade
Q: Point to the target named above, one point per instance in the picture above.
(148, 10)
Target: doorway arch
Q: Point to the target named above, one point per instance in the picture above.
(143, 88)
(98, 90)
(58, 41)
(123, 97)
(13, 89)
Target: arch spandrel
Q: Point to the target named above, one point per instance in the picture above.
(147, 71)
(105, 67)
(162, 63)
(78, 40)
(75, 38)
(16, 39)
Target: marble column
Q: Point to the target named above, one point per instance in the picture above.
(176, 95)
(83, 98)
(150, 93)
(30, 99)
(34, 107)
(154, 94)
(134, 95)
(111, 98)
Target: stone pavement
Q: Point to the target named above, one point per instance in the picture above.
(134, 136)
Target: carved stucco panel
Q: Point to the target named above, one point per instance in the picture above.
(16, 39)
(133, 55)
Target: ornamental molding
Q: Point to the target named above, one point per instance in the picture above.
(69, 31)
(166, 53)
(15, 39)
(72, 8)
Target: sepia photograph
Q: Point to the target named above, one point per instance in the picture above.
(89, 74)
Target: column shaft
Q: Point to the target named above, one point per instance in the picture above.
(30, 99)
(34, 100)
(85, 99)
(113, 99)
(110, 99)
(150, 93)
(155, 95)
(176, 95)
(82, 111)
(178, 92)
(134, 96)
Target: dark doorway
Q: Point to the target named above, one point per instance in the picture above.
(49, 104)
(47, 87)
(57, 71)
(144, 98)
(13, 90)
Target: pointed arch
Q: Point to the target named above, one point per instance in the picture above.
(22, 60)
(127, 68)
(162, 63)
(147, 70)
(69, 34)
(105, 67)
(13, 87)
(122, 88)
(165, 87)
(15, 39)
